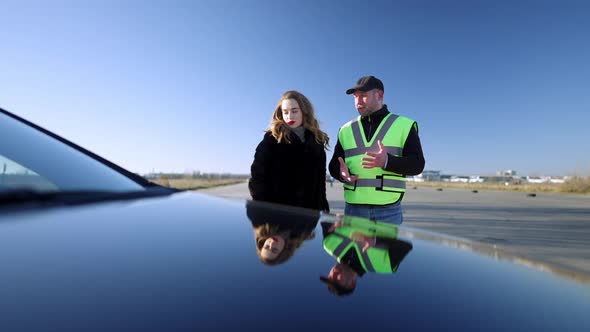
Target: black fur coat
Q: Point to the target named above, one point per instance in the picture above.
(292, 174)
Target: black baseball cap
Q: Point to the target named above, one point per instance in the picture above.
(366, 83)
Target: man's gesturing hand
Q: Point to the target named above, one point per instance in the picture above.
(344, 172)
(375, 159)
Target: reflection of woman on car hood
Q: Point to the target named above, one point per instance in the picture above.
(279, 231)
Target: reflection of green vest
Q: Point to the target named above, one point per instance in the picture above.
(374, 186)
(373, 259)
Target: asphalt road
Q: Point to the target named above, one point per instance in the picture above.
(553, 229)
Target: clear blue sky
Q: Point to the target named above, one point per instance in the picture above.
(191, 85)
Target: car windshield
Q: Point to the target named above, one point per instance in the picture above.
(33, 161)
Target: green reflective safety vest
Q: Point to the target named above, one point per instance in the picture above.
(373, 259)
(375, 186)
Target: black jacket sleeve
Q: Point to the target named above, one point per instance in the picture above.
(398, 251)
(334, 166)
(324, 206)
(412, 162)
(259, 170)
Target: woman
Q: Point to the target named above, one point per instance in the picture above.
(290, 163)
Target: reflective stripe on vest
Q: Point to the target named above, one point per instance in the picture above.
(359, 142)
(372, 260)
(375, 186)
(341, 250)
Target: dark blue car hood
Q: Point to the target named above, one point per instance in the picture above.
(188, 262)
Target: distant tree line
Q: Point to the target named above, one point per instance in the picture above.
(195, 175)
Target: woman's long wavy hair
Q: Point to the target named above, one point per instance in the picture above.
(280, 130)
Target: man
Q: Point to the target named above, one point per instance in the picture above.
(374, 154)
(360, 246)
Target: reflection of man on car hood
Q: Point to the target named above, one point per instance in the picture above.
(360, 246)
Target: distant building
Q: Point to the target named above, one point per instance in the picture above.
(425, 176)
(415, 178)
(476, 179)
(507, 172)
(537, 179)
(558, 179)
(431, 175)
(546, 179)
(456, 178)
(445, 177)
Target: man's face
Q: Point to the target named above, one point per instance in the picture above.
(367, 102)
(343, 276)
(291, 113)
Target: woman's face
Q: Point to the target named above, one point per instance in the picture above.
(272, 247)
(292, 114)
